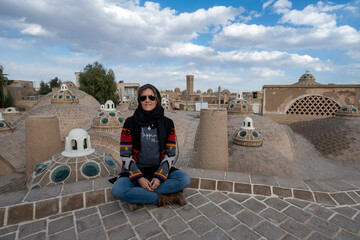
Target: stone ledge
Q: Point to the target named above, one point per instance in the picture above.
(22, 206)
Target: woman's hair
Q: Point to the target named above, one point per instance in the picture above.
(154, 89)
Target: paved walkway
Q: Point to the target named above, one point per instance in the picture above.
(87, 210)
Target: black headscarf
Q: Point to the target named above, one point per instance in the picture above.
(143, 117)
(154, 117)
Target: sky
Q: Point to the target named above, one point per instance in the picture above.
(239, 45)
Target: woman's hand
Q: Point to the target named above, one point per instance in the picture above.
(155, 182)
(144, 183)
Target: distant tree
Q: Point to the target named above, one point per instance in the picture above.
(9, 100)
(3, 82)
(98, 82)
(44, 88)
(54, 83)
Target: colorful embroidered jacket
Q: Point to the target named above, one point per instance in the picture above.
(130, 148)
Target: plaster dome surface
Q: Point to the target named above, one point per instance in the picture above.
(336, 138)
(239, 106)
(348, 111)
(83, 97)
(69, 84)
(70, 116)
(64, 96)
(247, 135)
(78, 162)
(133, 104)
(307, 79)
(108, 121)
(165, 103)
(11, 110)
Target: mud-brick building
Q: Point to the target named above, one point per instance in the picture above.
(307, 99)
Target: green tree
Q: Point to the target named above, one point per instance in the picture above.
(3, 82)
(9, 100)
(55, 83)
(44, 88)
(98, 82)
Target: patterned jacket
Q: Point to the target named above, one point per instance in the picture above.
(130, 148)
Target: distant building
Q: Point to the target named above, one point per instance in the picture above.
(21, 90)
(307, 99)
(127, 91)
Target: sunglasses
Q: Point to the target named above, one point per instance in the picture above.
(143, 98)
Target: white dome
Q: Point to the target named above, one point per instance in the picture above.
(109, 106)
(77, 144)
(247, 124)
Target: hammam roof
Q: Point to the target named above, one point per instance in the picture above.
(239, 106)
(64, 96)
(307, 79)
(335, 138)
(70, 116)
(108, 119)
(83, 97)
(348, 111)
(78, 162)
(272, 133)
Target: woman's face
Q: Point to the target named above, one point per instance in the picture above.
(148, 104)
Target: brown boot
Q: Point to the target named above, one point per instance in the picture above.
(173, 198)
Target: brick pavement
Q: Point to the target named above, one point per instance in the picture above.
(208, 215)
(86, 210)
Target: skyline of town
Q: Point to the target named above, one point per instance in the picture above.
(240, 46)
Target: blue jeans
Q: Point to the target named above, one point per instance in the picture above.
(128, 191)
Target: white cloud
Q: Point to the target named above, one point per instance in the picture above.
(282, 6)
(274, 37)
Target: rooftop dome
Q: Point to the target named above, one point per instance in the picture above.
(77, 163)
(239, 106)
(307, 79)
(247, 135)
(12, 110)
(177, 90)
(64, 96)
(83, 97)
(108, 106)
(70, 116)
(133, 104)
(165, 103)
(77, 144)
(348, 111)
(69, 84)
(108, 120)
(209, 91)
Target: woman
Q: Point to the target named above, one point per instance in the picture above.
(147, 150)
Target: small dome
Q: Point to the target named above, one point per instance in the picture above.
(165, 103)
(69, 84)
(307, 79)
(108, 121)
(247, 124)
(177, 90)
(61, 170)
(198, 91)
(11, 110)
(64, 96)
(77, 144)
(247, 135)
(209, 90)
(133, 104)
(239, 106)
(348, 111)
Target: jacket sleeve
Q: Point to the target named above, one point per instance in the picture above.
(126, 152)
(170, 154)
